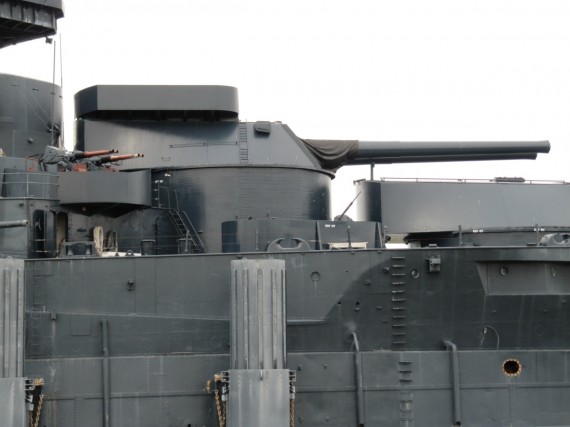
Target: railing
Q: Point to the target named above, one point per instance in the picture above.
(498, 180)
(200, 248)
(30, 185)
(184, 225)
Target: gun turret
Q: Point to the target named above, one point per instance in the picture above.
(237, 167)
(333, 154)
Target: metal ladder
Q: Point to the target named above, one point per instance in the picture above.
(186, 230)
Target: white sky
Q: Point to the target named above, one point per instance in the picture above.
(370, 70)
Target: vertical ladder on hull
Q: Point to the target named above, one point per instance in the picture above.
(398, 302)
(243, 149)
(186, 230)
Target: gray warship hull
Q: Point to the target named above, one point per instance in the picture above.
(201, 281)
(168, 330)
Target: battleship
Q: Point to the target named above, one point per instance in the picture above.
(180, 267)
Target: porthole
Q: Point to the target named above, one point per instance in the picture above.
(512, 367)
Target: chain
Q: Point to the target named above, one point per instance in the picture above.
(221, 415)
(36, 412)
(292, 413)
(39, 411)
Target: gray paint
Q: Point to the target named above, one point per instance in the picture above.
(413, 207)
(57, 4)
(277, 234)
(121, 98)
(15, 241)
(448, 151)
(212, 196)
(181, 303)
(11, 318)
(28, 20)
(258, 398)
(105, 188)
(259, 384)
(364, 328)
(30, 240)
(13, 402)
(258, 315)
(396, 385)
(192, 144)
(27, 107)
(34, 184)
(333, 154)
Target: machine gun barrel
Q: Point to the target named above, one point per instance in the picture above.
(111, 159)
(334, 154)
(78, 155)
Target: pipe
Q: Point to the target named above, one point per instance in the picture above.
(10, 224)
(20, 307)
(5, 324)
(450, 346)
(359, 388)
(106, 376)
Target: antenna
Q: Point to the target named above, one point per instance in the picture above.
(61, 131)
(54, 42)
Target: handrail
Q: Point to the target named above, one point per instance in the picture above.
(14, 181)
(195, 235)
(450, 346)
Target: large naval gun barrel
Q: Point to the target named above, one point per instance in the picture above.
(333, 154)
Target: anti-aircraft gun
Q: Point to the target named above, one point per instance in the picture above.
(81, 161)
(102, 162)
